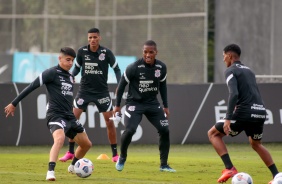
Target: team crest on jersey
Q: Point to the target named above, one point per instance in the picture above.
(102, 57)
(131, 108)
(157, 73)
(71, 79)
(80, 101)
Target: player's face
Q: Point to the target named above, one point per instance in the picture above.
(149, 54)
(227, 58)
(66, 62)
(94, 40)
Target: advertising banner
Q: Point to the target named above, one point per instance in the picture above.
(194, 109)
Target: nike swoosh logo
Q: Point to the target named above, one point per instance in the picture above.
(3, 68)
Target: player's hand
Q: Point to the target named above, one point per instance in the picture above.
(166, 111)
(9, 110)
(226, 127)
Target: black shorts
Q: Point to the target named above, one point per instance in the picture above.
(103, 101)
(70, 125)
(154, 113)
(252, 129)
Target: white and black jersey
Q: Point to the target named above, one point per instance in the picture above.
(59, 85)
(145, 81)
(94, 69)
(245, 102)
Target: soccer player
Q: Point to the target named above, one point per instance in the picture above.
(245, 112)
(93, 60)
(145, 77)
(60, 118)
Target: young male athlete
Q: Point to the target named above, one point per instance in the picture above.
(93, 60)
(245, 112)
(145, 77)
(60, 118)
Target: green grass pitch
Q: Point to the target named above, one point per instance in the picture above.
(195, 164)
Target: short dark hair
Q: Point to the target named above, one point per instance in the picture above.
(150, 43)
(233, 48)
(68, 51)
(94, 30)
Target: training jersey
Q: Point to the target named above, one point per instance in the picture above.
(94, 69)
(145, 81)
(245, 102)
(59, 85)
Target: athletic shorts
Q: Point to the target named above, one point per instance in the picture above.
(103, 101)
(252, 129)
(70, 125)
(154, 113)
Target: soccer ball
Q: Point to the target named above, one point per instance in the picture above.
(279, 175)
(83, 168)
(242, 178)
(277, 179)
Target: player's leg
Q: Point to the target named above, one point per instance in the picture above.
(255, 131)
(70, 153)
(112, 135)
(155, 115)
(132, 118)
(78, 134)
(216, 134)
(56, 128)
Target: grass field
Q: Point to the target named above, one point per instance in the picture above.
(195, 164)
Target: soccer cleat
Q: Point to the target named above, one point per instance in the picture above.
(226, 174)
(166, 168)
(120, 164)
(71, 169)
(115, 158)
(66, 157)
(50, 176)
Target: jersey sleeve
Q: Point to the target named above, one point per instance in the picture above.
(125, 79)
(231, 82)
(43, 78)
(78, 63)
(163, 87)
(114, 65)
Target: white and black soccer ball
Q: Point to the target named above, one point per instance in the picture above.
(83, 168)
(277, 179)
(242, 178)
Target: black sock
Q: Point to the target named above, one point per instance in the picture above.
(273, 170)
(226, 160)
(71, 147)
(74, 160)
(114, 149)
(51, 166)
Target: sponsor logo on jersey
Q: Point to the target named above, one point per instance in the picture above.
(258, 116)
(157, 73)
(66, 89)
(257, 107)
(62, 78)
(90, 68)
(141, 66)
(164, 122)
(131, 108)
(142, 76)
(80, 101)
(102, 57)
(87, 57)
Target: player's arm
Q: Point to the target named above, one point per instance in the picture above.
(231, 82)
(78, 63)
(114, 64)
(45, 77)
(163, 92)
